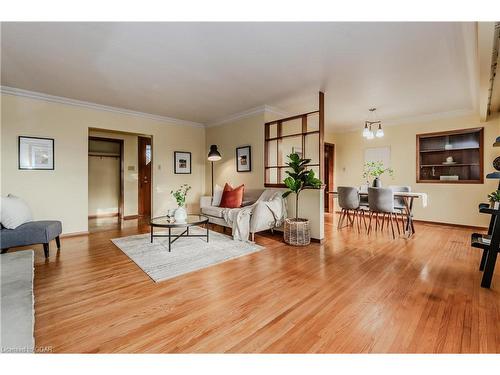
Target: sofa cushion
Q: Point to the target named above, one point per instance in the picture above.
(14, 212)
(31, 233)
(217, 196)
(212, 211)
(232, 197)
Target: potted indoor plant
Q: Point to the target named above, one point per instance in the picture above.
(180, 196)
(494, 198)
(297, 231)
(375, 169)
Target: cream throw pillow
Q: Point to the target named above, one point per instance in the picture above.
(14, 212)
(218, 190)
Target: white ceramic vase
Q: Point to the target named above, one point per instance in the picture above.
(180, 214)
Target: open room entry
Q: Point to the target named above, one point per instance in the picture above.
(328, 173)
(105, 180)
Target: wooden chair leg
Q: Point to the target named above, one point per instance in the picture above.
(397, 223)
(370, 223)
(383, 221)
(46, 249)
(392, 226)
(339, 223)
(364, 220)
(58, 242)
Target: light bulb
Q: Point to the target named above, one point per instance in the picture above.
(370, 135)
(380, 132)
(366, 131)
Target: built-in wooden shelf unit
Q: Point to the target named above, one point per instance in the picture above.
(464, 147)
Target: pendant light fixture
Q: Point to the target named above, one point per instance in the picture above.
(368, 133)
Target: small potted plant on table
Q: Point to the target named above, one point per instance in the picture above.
(180, 196)
(376, 169)
(494, 198)
(297, 231)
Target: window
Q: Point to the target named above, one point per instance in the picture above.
(148, 154)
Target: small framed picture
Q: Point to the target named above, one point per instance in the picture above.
(182, 162)
(244, 159)
(36, 153)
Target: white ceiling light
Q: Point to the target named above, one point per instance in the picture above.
(367, 131)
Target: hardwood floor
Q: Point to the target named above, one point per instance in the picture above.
(354, 293)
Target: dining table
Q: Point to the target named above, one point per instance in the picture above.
(408, 199)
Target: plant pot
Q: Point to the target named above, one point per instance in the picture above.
(180, 215)
(377, 182)
(297, 232)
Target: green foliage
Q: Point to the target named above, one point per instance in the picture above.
(494, 196)
(299, 178)
(180, 194)
(376, 169)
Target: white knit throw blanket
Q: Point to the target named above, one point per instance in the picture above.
(239, 219)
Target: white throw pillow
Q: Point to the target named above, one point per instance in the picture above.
(218, 190)
(14, 212)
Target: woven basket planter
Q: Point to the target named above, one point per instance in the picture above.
(297, 232)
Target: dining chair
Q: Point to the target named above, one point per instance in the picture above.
(400, 204)
(348, 199)
(381, 202)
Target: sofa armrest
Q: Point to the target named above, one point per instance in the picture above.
(205, 201)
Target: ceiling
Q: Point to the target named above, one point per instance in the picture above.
(204, 72)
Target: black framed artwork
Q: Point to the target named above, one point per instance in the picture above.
(35, 153)
(182, 162)
(244, 159)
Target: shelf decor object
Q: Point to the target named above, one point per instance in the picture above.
(451, 157)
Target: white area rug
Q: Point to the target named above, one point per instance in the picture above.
(17, 305)
(187, 255)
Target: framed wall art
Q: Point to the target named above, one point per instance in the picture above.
(244, 159)
(35, 153)
(182, 162)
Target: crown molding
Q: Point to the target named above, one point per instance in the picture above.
(413, 119)
(99, 107)
(247, 113)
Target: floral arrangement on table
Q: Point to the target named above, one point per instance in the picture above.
(494, 198)
(180, 194)
(376, 169)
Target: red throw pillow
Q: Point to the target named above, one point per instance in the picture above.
(232, 198)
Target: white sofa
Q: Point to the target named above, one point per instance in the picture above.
(261, 218)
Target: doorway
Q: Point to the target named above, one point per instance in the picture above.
(329, 164)
(144, 162)
(105, 182)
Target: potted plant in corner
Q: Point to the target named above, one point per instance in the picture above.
(376, 169)
(180, 196)
(297, 231)
(494, 198)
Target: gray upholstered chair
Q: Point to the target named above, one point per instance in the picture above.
(399, 203)
(31, 233)
(381, 202)
(348, 198)
(363, 199)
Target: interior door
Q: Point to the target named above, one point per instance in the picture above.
(144, 161)
(328, 173)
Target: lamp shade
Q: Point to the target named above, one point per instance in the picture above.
(214, 154)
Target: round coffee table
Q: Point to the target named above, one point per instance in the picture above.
(191, 220)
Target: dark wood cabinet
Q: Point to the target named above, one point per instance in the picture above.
(450, 157)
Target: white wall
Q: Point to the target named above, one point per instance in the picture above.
(62, 194)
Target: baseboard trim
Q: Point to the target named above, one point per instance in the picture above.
(74, 234)
(450, 224)
(130, 217)
(98, 216)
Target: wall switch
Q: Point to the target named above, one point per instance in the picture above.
(131, 168)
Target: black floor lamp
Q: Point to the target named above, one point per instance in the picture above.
(213, 155)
